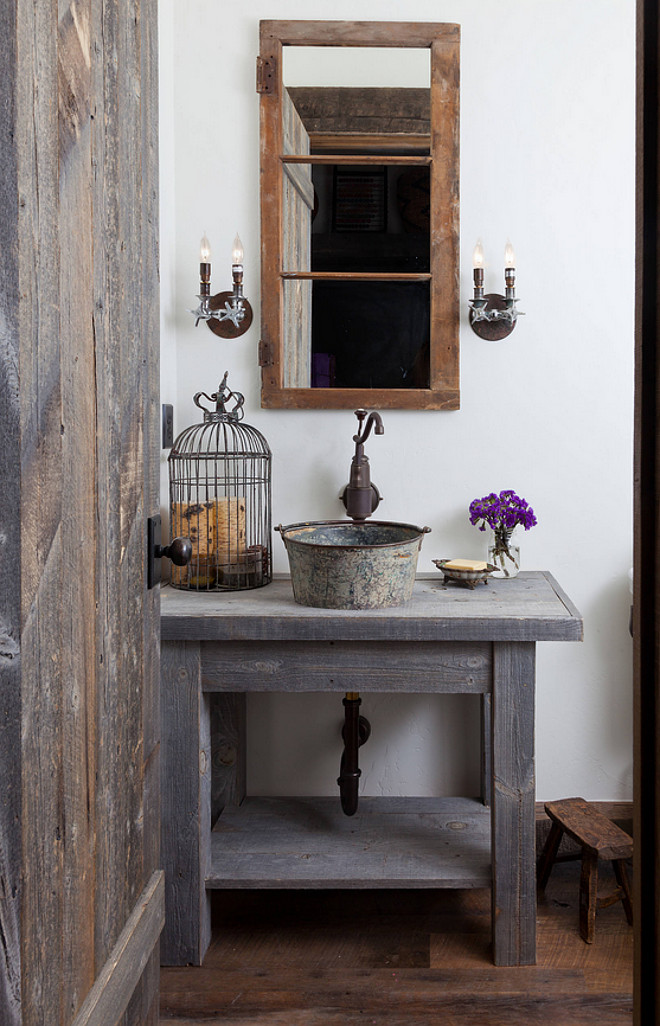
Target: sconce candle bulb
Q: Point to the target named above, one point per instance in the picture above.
(227, 314)
(237, 252)
(493, 316)
(205, 267)
(509, 272)
(204, 250)
(478, 272)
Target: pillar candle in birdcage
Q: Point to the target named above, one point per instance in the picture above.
(230, 519)
(197, 521)
(220, 498)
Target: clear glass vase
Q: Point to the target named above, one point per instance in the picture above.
(504, 553)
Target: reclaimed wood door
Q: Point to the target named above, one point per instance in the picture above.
(81, 894)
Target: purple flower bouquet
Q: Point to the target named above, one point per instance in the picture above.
(502, 513)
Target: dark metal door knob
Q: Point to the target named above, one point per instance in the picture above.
(179, 551)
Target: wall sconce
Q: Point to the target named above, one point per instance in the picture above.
(493, 316)
(227, 314)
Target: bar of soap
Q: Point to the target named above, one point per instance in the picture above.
(465, 564)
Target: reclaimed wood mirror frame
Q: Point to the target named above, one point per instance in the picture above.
(443, 41)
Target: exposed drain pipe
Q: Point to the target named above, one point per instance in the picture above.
(355, 732)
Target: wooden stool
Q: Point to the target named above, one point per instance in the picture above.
(599, 838)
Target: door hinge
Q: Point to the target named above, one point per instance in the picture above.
(266, 74)
(265, 353)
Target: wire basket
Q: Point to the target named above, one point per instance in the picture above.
(220, 498)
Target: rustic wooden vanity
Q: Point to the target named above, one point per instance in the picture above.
(448, 639)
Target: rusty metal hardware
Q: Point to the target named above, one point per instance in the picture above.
(220, 497)
(221, 398)
(492, 316)
(265, 353)
(266, 74)
(355, 733)
(360, 496)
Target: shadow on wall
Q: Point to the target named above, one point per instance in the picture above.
(420, 745)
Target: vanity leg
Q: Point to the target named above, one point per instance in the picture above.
(186, 804)
(486, 755)
(512, 805)
(228, 747)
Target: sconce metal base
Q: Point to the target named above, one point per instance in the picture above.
(226, 327)
(495, 330)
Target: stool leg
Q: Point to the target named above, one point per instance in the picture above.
(588, 896)
(548, 855)
(621, 874)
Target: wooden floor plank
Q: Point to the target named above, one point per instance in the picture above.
(504, 1015)
(300, 958)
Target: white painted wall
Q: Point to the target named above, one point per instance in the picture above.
(547, 158)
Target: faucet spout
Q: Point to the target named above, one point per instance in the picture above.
(360, 496)
(373, 418)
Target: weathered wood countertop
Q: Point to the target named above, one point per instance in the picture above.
(530, 607)
(223, 645)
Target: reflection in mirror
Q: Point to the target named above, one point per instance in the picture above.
(358, 309)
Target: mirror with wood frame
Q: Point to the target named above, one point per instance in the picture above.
(359, 220)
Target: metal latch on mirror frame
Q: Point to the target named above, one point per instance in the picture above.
(265, 353)
(266, 75)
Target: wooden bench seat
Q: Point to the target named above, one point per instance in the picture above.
(598, 838)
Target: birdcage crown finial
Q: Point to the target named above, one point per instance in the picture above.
(223, 396)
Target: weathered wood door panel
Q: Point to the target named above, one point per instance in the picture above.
(81, 894)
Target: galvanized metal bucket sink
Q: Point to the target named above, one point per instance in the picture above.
(339, 564)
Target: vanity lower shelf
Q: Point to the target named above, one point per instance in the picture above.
(390, 842)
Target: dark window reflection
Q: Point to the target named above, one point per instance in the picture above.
(371, 219)
(370, 335)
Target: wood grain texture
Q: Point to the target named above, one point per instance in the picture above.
(486, 712)
(590, 828)
(42, 560)
(113, 988)
(282, 304)
(264, 641)
(125, 287)
(347, 666)
(309, 842)
(396, 113)
(527, 608)
(186, 812)
(78, 512)
(228, 751)
(513, 793)
(77, 218)
(298, 205)
(399, 957)
(362, 160)
(358, 33)
(271, 174)
(10, 590)
(445, 213)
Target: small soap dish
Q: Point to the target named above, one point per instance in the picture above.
(469, 572)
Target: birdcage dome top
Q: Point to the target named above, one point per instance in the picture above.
(221, 432)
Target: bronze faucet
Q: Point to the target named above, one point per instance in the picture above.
(360, 496)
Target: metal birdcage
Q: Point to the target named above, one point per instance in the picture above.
(220, 498)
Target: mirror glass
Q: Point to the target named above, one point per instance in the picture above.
(358, 218)
(356, 307)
